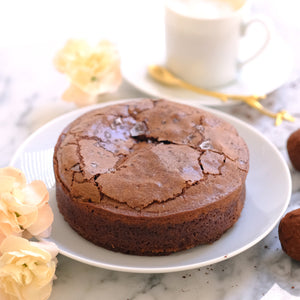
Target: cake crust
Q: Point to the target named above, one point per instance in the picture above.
(150, 177)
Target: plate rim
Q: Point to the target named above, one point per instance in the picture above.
(77, 112)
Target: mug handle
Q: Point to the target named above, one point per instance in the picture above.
(244, 28)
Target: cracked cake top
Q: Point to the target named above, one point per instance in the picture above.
(150, 156)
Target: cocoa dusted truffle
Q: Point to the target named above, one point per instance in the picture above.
(293, 148)
(289, 234)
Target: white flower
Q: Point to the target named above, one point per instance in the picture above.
(27, 269)
(92, 71)
(24, 208)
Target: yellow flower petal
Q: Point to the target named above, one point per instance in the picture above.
(27, 269)
(2, 237)
(9, 228)
(18, 176)
(21, 203)
(7, 183)
(48, 246)
(36, 193)
(76, 95)
(92, 70)
(4, 296)
(27, 220)
(43, 222)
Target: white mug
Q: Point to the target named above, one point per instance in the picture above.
(202, 40)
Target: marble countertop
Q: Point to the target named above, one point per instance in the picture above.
(30, 91)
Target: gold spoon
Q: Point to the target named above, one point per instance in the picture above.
(162, 75)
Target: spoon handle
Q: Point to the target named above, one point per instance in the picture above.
(252, 100)
(199, 90)
(222, 96)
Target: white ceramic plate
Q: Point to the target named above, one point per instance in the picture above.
(262, 75)
(268, 193)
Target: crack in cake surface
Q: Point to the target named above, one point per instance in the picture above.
(103, 165)
(155, 173)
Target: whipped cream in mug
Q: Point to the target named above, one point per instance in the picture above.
(210, 9)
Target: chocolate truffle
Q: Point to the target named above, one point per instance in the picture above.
(150, 177)
(289, 234)
(293, 148)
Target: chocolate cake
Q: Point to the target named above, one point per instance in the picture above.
(150, 177)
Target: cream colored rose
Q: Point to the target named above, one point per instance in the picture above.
(27, 269)
(24, 208)
(91, 70)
